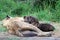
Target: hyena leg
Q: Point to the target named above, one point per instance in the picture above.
(12, 32)
(19, 33)
(33, 28)
(15, 32)
(39, 32)
(23, 25)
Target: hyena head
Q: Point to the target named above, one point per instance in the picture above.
(31, 20)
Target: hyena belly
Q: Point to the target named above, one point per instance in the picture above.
(29, 33)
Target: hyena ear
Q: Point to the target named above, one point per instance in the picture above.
(24, 17)
(7, 17)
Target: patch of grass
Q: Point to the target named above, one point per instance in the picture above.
(2, 29)
(42, 12)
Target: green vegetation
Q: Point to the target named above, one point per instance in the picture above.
(48, 10)
(2, 29)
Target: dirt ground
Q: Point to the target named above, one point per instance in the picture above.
(57, 29)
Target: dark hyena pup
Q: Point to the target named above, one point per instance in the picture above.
(42, 26)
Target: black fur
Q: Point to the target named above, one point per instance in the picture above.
(29, 33)
(46, 27)
(30, 19)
